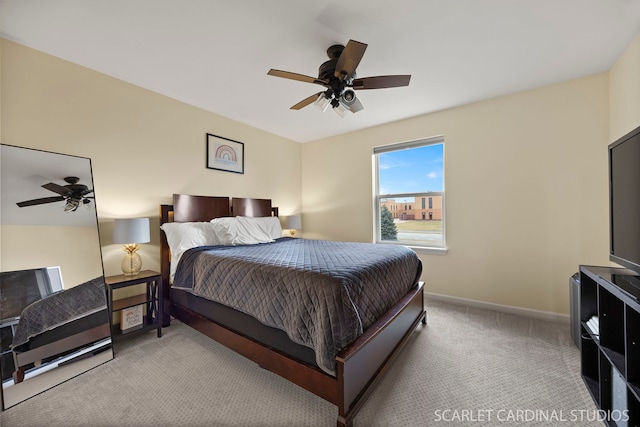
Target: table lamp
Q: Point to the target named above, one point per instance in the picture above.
(292, 223)
(131, 232)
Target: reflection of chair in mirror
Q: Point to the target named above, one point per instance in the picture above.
(62, 328)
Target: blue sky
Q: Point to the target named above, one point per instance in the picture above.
(411, 171)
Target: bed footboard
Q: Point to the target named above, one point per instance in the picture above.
(359, 367)
(363, 364)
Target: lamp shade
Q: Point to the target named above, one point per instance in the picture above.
(131, 230)
(292, 222)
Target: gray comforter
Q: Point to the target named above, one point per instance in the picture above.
(323, 294)
(60, 308)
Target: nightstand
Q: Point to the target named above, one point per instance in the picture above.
(152, 319)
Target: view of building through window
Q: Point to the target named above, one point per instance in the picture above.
(410, 193)
(413, 223)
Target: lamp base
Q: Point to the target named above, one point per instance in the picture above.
(131, 264)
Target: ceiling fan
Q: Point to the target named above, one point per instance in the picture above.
(73, 193)
(338, 75)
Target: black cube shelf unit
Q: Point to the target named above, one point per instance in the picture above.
(610, 351)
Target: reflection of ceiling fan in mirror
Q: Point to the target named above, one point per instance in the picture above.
(338, 75)
(73, 193)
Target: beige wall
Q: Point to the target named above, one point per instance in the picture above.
(144, 147)
(526, 184)
(624, 92)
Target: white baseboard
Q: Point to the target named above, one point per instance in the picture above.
(538, 314)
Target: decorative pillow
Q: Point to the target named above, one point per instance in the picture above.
(233, 231)
(182, 236)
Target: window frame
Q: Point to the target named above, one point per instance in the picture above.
(377, 197)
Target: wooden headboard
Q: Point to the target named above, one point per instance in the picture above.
(188, 208)
(252, 207)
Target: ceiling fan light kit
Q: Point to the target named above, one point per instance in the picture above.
(339, 107)
(323, 102)
(348, 96)
(71, 205)
(338, 75)
(74, 194)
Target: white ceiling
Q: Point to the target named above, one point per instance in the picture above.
(215, 54)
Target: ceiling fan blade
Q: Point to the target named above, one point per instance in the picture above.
(356, 106)
(296, 76)
(381, 82)
(40, 201)
(57, 188)
(306, 101)
(349, 59)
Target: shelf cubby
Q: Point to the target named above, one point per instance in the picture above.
(588, 297)
(590, 365)
(632, 328)
(611, 315)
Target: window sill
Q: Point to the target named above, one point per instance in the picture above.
(429, 251)
(421, 249)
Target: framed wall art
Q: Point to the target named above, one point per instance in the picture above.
(225, 154)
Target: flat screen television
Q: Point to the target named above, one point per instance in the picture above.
(20, 288)
(624, 201)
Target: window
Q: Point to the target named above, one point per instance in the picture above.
(409, 177)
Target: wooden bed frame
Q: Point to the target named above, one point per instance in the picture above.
(360, 366)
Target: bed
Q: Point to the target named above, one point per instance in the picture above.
(60, 324)
(341, 367)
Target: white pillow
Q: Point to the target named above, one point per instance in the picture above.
(182, 236)
(232, 231)
(270, 225)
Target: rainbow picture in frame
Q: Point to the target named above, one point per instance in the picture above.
(225, 154)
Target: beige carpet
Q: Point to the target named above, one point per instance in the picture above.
(466, 367)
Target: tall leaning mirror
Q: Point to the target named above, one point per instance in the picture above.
(54, 321)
